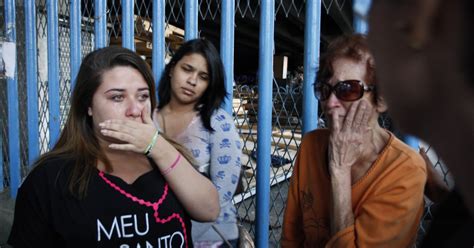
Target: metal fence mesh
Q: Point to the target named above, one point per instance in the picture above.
(114, 22)
(64, 60)
(41, 32)
(287, 94)
(87, 31)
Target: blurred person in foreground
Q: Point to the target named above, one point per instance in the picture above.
(423, 50)
(354, 184)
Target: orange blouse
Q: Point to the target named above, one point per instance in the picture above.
(387, 201)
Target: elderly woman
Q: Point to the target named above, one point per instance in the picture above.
(354, 184)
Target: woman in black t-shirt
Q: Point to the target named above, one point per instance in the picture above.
(112, 180)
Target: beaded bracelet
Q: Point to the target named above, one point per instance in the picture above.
(169, 169)
(152, 144)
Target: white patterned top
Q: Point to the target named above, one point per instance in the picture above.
(217, 156)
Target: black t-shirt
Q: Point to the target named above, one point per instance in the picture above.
(113, 214)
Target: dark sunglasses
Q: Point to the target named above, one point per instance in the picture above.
(347, 90)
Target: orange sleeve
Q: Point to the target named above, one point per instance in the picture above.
(293, 234)
(391, 216)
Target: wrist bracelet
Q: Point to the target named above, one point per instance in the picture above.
(152, 144)
(169, 169)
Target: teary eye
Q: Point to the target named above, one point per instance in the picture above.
(117, 98)
(143, 97)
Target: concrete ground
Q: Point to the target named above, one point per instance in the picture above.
(6, 217)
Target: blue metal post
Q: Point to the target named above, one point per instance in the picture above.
(100, 23)
(412, 142)
(75, 42)
(312, 36)
(191, 12)
(12, 89)
(31, 81)
(361, 10)
(265, 88)
(53, 72)
(227, 49)
(158, 52)
(128, 36)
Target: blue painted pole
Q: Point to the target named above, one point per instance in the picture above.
(412, 141)
(158, 52)
(53, 72)
(31, 81)
(75, 41)
(265, 88)
(227, 49)
(128, 34)
(312, 37)
(361, 10)
(12, 90)
(100, 23)
(191, 12)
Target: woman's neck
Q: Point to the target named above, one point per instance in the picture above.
(178, 108)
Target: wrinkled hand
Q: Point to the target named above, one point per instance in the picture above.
(135, 135)
(347, 138)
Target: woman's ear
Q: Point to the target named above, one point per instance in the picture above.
(381, 105)
(170, 74)
(89, 111)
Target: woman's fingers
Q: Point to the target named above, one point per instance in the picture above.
(124, 147)
(119, 125)
(358, 121)
(146, 115)
(367, 113)
(132, 132)
(335, 121)
(349, 119)
(118, 135)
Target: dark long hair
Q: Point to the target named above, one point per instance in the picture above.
(215, 93)
(77, 141)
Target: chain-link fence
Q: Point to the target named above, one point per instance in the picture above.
(287, 90)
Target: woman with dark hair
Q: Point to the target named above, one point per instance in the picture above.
(354, 184)
(191, 92)
(112, 180)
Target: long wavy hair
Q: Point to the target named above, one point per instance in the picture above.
(215, 93)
